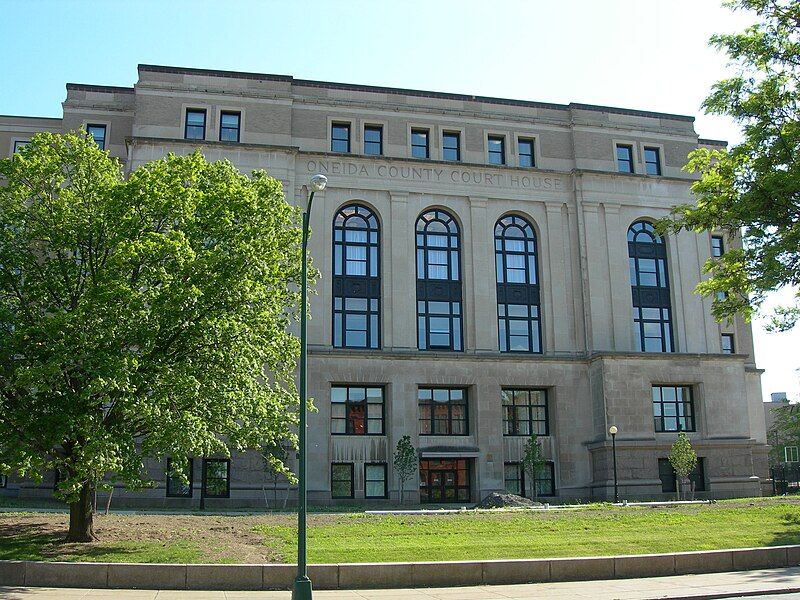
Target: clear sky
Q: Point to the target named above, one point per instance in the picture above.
(643, 54)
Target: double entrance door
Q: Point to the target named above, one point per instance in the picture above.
(445, 480)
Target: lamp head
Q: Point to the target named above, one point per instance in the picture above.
(612, 430)
(318, 182)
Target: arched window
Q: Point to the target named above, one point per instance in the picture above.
(438, 282)
(652, 311)
(518, 310)
(356, 278)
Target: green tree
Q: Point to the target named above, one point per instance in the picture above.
(533, 462)
(139, 318)
(683, 459)
(274, 457)
(784, 431)
(405, 462)
(753, 189)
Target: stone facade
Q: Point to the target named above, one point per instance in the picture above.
(580, 207)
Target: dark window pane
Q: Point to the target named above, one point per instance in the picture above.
(373, 140)
(673, 408)
(625, 159)
(229, 127)
(98, 133)
(496, 147)
(652, 161)
(450, 147)
(419, 143)
(195, 125)
(526, 153)
(340, 137)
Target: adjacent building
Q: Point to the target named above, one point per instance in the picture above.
(489, 271)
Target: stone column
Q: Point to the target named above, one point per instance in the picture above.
(482, 320)
(400, 312)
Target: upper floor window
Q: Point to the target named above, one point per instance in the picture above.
(496, 146)
(217, 477)
(229, 126)
(518, 308)
(673, 408)
(356, 278)
(442, 411)
(624, 158)
(98, 133)
(652, 161)
(438, 282)
(20, 144)
(451, 146)
(356, 410)
(373, 140)
(717, 246)
(176, 486)
(524, 412)
(420, 147)
(727, 343)
(195, 124)
(340, 137)
(791, 455)
(526, 158)
(652, 312)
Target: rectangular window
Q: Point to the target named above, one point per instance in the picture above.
(20, 144)
(524, 412)
(373, 140)
(673, 408)
(375, 480)
(652, 161)
(717, 246)
(439, 325)
(3, 481)
(195, 124)
(98, 133)
(444, 480)
(496, 146)
(229, 126)
(442, 411)
(355, 322)
(357, 410)
(420, 147)
(216, 477)
(340, 137)
(727, 343)
(546, 480)
(514, 478)
(342, 480)
(791, 455)
(451, 146)
(526, 158)
(176, 488)
(518, 328)
(624, 158)
(669, 481)
(697, 478)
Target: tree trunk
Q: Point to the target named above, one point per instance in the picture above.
(401, 492)
(81, 526)
(108, 502)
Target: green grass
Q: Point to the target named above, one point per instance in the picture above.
(43, 547)
(470, 536)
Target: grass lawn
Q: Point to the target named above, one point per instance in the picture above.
(356, 537)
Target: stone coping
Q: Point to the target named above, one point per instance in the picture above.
(348, 576)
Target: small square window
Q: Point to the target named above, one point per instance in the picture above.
(673, 408)
(373, 140)
(216, 477)
(496, 145)
(526, 158)
(451, 147)
(727, 343)
(375, 480)
(176, 488)
(195, 124)
(420, 147)
(229, 126)
(98, 133)
(652, 161)
(717, 246)
(342, 480)
(624, 158)
(20, 144)
(340, 137)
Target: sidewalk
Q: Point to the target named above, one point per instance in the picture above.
(716, 585)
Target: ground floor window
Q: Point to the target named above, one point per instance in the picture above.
(790, 454)
(216, 477)
(375, 480)
(515, 479)
(445, 480)
(176, 487)
(342, 480)
(669, 481)
(3, 481)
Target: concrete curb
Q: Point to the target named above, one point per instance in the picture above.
(391, 575)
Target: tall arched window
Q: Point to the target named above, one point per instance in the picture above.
(356, 278)
(438, 282)
(652, 311)
(518, 314)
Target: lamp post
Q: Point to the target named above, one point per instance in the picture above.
(302, 584)
(613, 431)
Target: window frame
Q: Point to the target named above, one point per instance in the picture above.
(206, 462)
(347, 403)
(427, 146)
(520, 471)
(496, 137)
(171, 494)
(102, 126)
(629, 147)
(690, 418)
(352, 480)
(513, 424)
(526, 140)
(16, 144)
(453, 134)
(346, 125)
(186, 125)
(238, 114)
(385, 480)
(657, 163)
(550, 467)
(728, 336)
(721, 240)
(3, 480)
(372, 127)
(450, 403)
(795, 453)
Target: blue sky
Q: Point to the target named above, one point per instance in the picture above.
(632, 53)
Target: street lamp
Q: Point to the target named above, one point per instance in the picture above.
(613, 431)
(302, 584)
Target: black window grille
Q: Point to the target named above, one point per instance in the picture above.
(442, 411)
(526, 156)
(673, 408)
(340, 137)
(217, 477)
(195, 125)
(652, 311)
(98, 133)
(451, 147)
(229, 126)
(420, 147)
(652, 161)
(375, 480)
(342, 480)
(717, 246)
(727, 344)
(357, 410)
(624, 158)
(373, 140)
(525, 412)
(439, 318)
(496, 146)
(176, 487)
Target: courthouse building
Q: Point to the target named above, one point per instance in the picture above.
(489, 271)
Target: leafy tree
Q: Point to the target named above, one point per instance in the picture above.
(139, 318)
(753, 190)
(275, 456)
(405, 462)
(533, 462)
(784, 431)
(683, 459)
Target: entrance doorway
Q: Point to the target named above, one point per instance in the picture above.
(444, 480)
